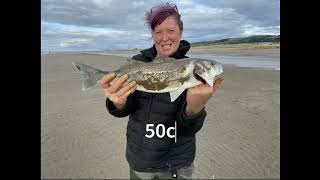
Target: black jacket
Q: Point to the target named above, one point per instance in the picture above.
(159, 154)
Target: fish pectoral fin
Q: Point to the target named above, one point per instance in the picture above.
(175, 94)
(210, 81)
(207, 79)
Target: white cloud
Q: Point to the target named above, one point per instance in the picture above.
(102, 3)
(250, 30)
(71, 30)
(186, 3)
(75, 42)
(137, 4)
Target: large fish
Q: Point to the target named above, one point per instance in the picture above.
(160, 75)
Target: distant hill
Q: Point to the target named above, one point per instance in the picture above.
(250, 39)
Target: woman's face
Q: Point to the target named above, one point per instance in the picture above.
(167, 37)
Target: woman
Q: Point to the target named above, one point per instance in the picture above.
(162, 157)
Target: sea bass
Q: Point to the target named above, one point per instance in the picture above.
(162, 75)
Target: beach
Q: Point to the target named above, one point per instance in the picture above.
(240, 138)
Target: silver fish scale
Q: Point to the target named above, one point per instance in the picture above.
(159, 74)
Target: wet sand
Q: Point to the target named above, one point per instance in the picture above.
(80, 139)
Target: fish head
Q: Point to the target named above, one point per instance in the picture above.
(206, 71)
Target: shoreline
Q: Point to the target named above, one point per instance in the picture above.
(230, 56)
(222, 49)
(123, 58)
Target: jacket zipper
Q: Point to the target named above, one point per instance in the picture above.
(149, 107)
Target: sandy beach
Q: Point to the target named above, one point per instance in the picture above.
(240, 138)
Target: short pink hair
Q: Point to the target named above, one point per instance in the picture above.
(159, 13)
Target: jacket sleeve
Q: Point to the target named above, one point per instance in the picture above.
(125, 111)
(189, 125)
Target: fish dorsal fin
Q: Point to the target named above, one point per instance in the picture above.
(162, 60)
(175, 94)
(132, 61)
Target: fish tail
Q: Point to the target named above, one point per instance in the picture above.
(89, 75)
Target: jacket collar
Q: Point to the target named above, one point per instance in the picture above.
(184, 47)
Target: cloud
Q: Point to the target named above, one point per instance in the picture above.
(262, 12)
(61, 37)
(120, 24)
(95, 13)
(75, 42)
(253, 30)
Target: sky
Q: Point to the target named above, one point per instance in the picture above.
(87, 25)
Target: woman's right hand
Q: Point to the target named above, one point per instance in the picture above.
(119, 90)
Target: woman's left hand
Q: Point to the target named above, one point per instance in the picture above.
(198, 96)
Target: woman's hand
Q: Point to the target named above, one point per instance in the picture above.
(198, 96)
(119, 90)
